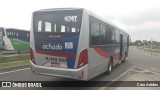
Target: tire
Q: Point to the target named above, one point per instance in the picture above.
(109, 69)
(123, 61)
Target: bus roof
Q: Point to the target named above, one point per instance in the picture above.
(82, 9)
(106, 21)
(58, 9)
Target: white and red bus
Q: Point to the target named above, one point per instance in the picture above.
(75, 43)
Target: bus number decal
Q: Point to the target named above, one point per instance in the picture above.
(70, 18)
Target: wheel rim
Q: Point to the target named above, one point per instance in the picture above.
(110, 67)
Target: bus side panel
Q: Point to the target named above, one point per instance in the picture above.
(84, 36)
(19, 39)
(7, 42)
(32, 41)
(19, 45)
(97, 63)
(99, 58)
(113, 51)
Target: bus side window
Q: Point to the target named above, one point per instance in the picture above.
(27, 35)
(103, 31)
(111, 36)
(117, 36)
(108, 34)
(17, 34)
(94, 28)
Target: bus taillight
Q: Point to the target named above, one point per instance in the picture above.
(32, 55)
(83, 58)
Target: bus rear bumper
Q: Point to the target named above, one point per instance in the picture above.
(80, 74)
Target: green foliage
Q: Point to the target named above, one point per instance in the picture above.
(156, 47)
(138, 42)
(14, 58)
(15, 64)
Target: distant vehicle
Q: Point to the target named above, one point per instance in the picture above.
(14, 39)
(75, 43)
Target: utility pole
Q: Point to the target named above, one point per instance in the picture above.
(151, 45)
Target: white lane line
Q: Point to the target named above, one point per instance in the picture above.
(149, 70)
(14, 71)
(105, 88)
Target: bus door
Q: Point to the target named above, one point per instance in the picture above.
(127, 45)
(121, 46)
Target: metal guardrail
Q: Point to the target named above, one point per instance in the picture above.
(9, 53)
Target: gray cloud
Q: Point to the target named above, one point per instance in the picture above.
(142, 25)
(152, 15)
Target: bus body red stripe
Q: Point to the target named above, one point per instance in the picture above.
(56, 54)
(104, 54)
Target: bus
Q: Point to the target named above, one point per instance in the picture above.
(75, 43)
(14, 39)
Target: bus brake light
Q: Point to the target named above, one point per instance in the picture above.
(83, 58)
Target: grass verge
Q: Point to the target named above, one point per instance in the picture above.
(13, 64)
(155, 48)
(14, 58)
(14, 61)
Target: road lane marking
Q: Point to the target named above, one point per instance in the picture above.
(14, 71)
(105, 88)
(149, 70)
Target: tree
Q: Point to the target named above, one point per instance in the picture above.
(138, 42)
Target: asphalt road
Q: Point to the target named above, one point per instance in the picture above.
(135, 58)
(144, 60)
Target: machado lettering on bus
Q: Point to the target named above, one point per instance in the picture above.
(52, 46)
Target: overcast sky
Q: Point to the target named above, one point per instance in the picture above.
(140, 18)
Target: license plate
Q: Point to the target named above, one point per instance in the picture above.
(61, 62)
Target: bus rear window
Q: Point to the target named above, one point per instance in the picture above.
(57, 22)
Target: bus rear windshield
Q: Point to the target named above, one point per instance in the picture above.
(58, 22)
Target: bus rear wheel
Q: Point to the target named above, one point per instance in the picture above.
(124, 58)
(110, 66)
